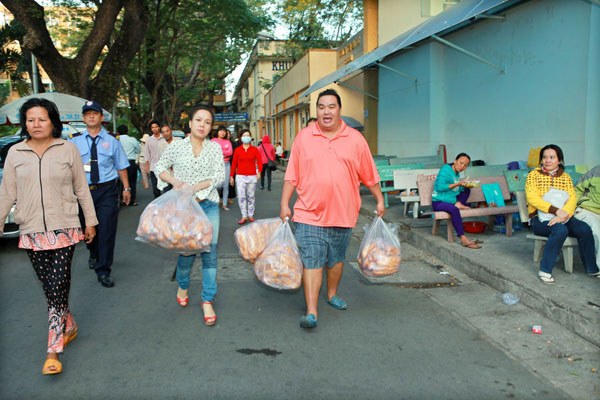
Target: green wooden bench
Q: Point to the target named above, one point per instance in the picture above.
(486, 170)
(386, 177)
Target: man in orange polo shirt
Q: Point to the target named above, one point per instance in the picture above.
(327, 163)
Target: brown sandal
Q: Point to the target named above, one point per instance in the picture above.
(471, 245)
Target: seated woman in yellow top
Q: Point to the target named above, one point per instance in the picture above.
(551, 202)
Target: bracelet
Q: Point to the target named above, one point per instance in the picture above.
(127, 189)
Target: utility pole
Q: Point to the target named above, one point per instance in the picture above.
(34, 75)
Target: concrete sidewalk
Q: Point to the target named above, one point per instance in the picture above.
(506, 264)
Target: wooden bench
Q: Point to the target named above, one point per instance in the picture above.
(476, 195)
(386, 177)
(434, 161)
(407, 180)
(485, 170)
(567, 250)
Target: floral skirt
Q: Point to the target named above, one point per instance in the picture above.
(53, 240)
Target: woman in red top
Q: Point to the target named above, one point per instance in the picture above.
(246, 160)
(267, 153)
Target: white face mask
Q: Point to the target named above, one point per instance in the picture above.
(246, 139)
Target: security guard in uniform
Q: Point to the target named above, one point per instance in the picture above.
(104, 161)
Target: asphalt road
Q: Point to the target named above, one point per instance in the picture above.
(136, 342)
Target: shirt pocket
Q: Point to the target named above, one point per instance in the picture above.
(105, 155)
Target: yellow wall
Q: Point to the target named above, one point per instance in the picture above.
(398, 16)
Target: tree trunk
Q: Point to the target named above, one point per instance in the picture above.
(72, 76)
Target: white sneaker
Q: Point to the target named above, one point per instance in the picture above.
(546, 278)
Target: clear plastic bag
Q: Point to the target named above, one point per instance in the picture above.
(280, 266)
(252, 239)
(175, 221)
(379, 253)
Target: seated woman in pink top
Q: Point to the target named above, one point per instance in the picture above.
(227, 153)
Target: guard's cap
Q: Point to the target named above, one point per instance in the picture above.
(91, 105)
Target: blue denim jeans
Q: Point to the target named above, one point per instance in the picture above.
(209, 260)
(557, 234)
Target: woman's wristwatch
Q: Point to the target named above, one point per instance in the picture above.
(127, 189)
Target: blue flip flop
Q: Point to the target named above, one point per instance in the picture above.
(308, 321)
(337, 303)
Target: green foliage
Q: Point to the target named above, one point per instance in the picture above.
(12, 62)
(190, 49)
(318, 23)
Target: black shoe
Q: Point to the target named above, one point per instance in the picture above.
(269, 189)
(106, 281)
(92, 263)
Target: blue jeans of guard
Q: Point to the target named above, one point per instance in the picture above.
(209, 260)
(557, 234)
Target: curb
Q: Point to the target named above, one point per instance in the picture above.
(573, 319)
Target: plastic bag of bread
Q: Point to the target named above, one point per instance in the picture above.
(379, 253)
(175, 221)
(280, 266)
(252, 239)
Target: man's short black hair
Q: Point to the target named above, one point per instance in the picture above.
(153, 122)
(330, 92)
(167, 125)
(122, 129)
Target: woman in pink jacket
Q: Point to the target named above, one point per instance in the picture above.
(267, 153)
(227, 153)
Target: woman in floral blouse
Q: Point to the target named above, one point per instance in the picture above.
(197, 161)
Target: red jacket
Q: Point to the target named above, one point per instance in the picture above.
(266, 149)
(245, 161)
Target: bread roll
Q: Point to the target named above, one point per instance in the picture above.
(379, 259)
(174, 226)
(252, 239)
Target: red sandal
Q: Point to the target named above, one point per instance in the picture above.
(209, 321)
(183, 302)
(242, 221)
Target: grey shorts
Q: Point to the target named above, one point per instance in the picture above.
(321, 245)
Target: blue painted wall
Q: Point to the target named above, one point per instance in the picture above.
(549, 93)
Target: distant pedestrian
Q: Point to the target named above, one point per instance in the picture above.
(167, 134)
(132, 149)
(311, 121)
(246, 162)
(154, 146)
(278, 150)
(44, 175)
(104, 160)
(142, 161)
(328, 162)
(450, 194)
(227, 149)
(551, 202)
(198, 162)
(267, 153)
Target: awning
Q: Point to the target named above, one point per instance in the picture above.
(68, 106)
(352, 123)
(290, 109)
(451, 19)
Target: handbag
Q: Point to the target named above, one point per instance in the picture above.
(270, 163)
